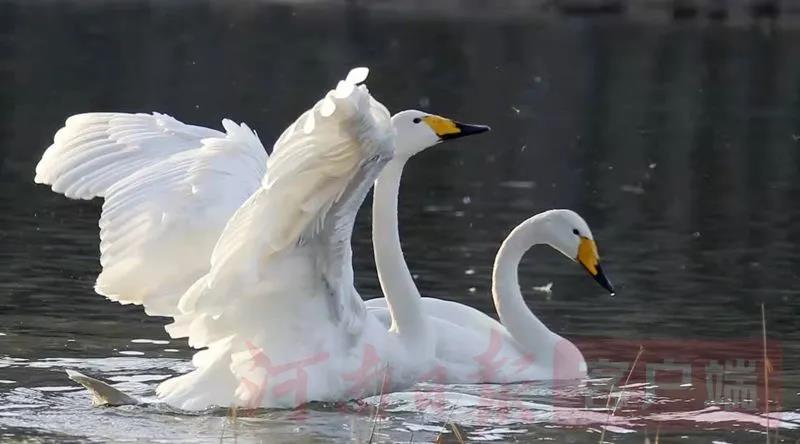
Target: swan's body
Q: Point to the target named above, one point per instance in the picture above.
(468, 345)
(254, 267)
(471, 347)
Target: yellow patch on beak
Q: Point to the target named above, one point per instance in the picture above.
(441, 126)
(587, 255)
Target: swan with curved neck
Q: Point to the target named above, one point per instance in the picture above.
(243, 250)
(568, 233)
(402, 298)
(465, 338)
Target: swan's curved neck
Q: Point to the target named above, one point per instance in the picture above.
(515, 315)
(402, 297)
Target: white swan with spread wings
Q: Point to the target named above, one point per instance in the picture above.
(275, 288)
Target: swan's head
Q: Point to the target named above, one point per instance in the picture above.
(417, 130)
(570, 235)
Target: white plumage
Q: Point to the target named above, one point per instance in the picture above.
(95, 150)
(256, 267)
(168, 186)
(250, 265)
(280, 282)
(471, 347)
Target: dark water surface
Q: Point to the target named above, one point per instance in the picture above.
(678, 144)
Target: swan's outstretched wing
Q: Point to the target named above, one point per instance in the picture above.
(282, 268)
(95, 150)
(169, 190)
(160, 224)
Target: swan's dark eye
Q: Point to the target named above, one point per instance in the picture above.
(417, 120)
(575, 230)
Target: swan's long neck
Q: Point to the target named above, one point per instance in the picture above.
(398, 286)
(515, 315)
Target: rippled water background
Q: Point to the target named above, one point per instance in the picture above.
(677, 142)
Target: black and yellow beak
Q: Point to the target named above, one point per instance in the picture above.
(448, 129)
(588, 257)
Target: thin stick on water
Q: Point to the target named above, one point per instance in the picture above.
(457, 432)
(608, 404)
(222, 432)
(231, 417)
(658, 434)
(621, 393)
(447, 421)
(766, 365)
(378, 408)
(627, 380)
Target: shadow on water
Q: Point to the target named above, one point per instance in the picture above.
(677, 142)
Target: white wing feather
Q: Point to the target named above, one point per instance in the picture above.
(309, 170)
(282, 267)
(95, 150)
(169, 190)
(160, 224)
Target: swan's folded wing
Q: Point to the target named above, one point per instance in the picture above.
(95, 150)
(282, 266)
(160, 224)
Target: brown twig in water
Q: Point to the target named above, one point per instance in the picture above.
(232, 411)
(627, 380)
(378, 408)
(439, 437)
(222, 432)
(457, 433)
(621, 393)
(608, 404)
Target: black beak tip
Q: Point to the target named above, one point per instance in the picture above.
(483, 129)
(610, 288)
(467, 129)
(601, 279)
